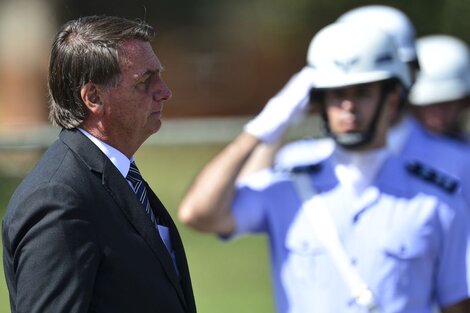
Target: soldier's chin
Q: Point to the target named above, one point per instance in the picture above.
(436, 127)
(352, 140)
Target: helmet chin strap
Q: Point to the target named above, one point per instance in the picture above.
(359, 139)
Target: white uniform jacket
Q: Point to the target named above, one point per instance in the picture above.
(405, 235)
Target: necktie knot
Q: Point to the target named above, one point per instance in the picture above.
(134, 176)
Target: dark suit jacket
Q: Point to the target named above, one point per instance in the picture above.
(76, 239)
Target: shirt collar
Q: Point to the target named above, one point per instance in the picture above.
(116, 157)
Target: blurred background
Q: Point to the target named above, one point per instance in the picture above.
(223, 60)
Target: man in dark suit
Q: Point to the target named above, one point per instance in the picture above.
(78, 236)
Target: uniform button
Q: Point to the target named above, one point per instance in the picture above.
(353, 261)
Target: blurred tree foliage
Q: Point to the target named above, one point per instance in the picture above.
(229, 57)
(278, 16)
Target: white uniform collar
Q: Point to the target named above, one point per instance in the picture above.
(119, 160)
(358, 170)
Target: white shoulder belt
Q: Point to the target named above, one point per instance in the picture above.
(327, 234)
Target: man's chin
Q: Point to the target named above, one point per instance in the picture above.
(155, 127)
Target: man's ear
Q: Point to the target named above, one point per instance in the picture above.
(91, 97)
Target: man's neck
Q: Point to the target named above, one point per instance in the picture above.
(120, 144)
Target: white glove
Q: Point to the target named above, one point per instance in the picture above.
(269, 125)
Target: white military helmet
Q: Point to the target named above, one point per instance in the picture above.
(444, 70)
(392, 21)
(346, 54)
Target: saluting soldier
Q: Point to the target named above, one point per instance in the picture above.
(362, 230)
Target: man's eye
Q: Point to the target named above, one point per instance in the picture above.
(147, 81)
(337, 94)
(364, 94)
(144, 83)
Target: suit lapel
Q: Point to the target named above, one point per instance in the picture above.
(178, 248)
(126, 200)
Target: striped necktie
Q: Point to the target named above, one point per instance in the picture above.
(141, 191)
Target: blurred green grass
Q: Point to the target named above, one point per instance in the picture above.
(229, 277)
(7, 187)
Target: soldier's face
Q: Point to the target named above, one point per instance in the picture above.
(351, 109)
(442, 118)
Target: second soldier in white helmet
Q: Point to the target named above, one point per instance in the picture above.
(360, 231)
(441, 95)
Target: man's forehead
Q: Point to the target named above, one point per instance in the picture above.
(138, 57)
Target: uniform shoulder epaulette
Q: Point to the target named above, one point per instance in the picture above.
(432, 175)
(307, 168)
(311, 168)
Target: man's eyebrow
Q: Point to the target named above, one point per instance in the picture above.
(148, 73)
(142, 77)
